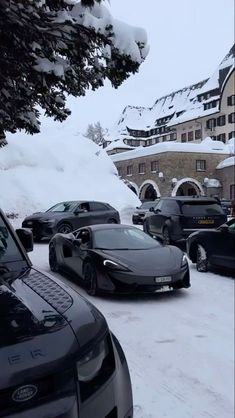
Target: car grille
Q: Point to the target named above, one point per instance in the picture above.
(47, 389)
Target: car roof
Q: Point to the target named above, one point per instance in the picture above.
(80, 201)
(191, 198)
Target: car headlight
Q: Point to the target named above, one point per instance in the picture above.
(89, 366)
(184, 260)
(49, 222)
(113, 265)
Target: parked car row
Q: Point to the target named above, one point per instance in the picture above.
(58, 355)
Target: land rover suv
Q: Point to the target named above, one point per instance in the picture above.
(58, 358)
(173, 219)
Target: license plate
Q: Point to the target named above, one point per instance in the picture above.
(206, 221)
(164, 289)
(162, 279)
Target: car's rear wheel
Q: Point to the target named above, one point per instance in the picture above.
(90, 276)
(53, 258)
(202, 259)
(65, 228)
(166, 236)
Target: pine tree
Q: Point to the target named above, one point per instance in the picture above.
(48, 50)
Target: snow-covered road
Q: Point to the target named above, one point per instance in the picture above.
(179, 346)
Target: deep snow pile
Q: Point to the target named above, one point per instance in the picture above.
(37, 172)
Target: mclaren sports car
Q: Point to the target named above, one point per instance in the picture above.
(118, 258)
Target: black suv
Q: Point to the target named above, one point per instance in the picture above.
(58, 357)
(175, 218)
(65, 217)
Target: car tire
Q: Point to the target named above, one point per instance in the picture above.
(202, 259)
(166, 236)
(90, 277)
(53, 262)
(146, 227)
(64, 228)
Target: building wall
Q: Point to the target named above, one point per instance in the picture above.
(171, 165)
(226, 176)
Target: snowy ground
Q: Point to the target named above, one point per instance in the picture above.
(179, 346)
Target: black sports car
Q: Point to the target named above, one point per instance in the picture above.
(58, 357)
(118, 258)
(214, 247)
(65, 217)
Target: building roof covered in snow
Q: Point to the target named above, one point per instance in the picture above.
(207, 146)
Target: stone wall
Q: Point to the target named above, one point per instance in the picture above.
(171, 165)
(226, 176)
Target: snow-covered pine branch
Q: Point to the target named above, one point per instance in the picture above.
(53, 48)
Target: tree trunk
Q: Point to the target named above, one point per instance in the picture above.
(3, 140)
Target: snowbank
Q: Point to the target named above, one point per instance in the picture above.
(38, 171)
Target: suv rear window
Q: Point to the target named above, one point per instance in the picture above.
(201, 208)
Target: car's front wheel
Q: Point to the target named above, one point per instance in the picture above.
(65, 228)
(53, 258)
(202, 259)
(90, 277)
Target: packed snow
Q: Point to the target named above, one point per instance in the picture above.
(38, 172)
(228, 162)
(207, 146)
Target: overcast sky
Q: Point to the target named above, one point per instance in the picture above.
(187, 38)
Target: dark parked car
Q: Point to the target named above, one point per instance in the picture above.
(65, 217)
(173, 219)
(118, 258)
(214, 247)
(226, 206)
(140, 212)
(58, 357)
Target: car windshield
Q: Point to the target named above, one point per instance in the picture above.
(63, 207)
(201, 208)
(8, 249)
(123, 239)
(147, 205)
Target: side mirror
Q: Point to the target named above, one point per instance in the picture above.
(77, 242)
(151, 209)
(224, 228)
(157, 210)
(26, 238)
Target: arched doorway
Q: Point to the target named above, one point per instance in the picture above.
(149, 191)
(188, 187)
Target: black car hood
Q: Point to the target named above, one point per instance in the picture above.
(158, 260)
(40, 216)
(38, 328)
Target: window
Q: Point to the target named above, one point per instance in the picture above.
(198, 134)
(141, 168)
(231, 135)
(200, 165)
(119, 169)
(129, 170)
(231, 100)
(210, 105)
(98, 206)
(173, 136)
(232, 191)
(183, 137)
(221, 137)
(221, 121)
(154, 166)
(231, 117)
(211, 123)
(190, 136)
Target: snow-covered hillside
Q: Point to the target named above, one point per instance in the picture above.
(37, 172)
